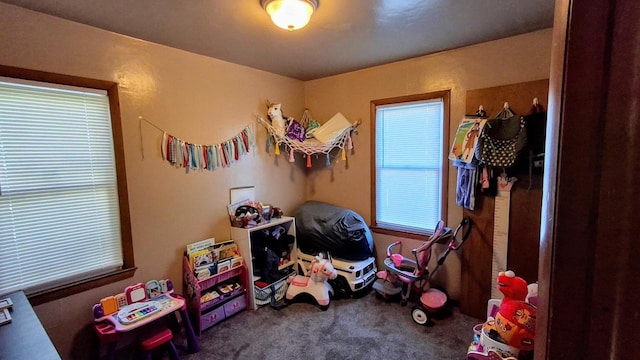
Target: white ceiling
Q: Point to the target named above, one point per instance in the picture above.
(343, 35)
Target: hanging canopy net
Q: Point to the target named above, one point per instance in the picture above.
(309, 146)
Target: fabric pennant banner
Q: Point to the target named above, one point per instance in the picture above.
(184, 154)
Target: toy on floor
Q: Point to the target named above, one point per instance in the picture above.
(489, 355)
(515, 322)
(316, 284)
(403, 274)
(510, 327)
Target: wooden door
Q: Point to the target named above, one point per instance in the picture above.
(589, 290)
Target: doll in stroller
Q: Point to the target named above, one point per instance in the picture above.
(403, 275)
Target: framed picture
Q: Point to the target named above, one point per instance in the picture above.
(242, 193)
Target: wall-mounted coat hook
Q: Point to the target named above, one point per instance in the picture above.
(536, 107)
(481, 111)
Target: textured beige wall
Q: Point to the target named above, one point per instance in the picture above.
(199, 99)
(507, 61)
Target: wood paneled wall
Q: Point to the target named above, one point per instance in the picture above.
(525, 210)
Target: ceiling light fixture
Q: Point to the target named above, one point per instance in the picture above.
(290, 14)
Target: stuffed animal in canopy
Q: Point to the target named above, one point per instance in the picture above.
(515, 322)
(277, 119)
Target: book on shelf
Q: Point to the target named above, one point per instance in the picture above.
(205, 271)
(201, 258)
(227, 250)
(224, 265)
(236, 261)
(200, 245)
(207, 258)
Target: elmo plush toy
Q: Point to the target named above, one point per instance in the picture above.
(515, 322)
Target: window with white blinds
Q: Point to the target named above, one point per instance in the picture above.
(409, 165)
(59, 211)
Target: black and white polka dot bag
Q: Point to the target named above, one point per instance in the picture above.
(502, 139)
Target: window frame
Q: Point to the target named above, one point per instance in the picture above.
(445, 95)
(128, 267)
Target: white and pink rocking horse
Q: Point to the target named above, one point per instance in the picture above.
(315, 284)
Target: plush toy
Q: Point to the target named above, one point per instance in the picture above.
(515, 322)
(277, 119)
(295, 130)
(512, 286)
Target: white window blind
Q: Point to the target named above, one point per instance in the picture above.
(409, 143)
(59, 211)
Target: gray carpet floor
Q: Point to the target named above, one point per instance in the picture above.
(358, 328)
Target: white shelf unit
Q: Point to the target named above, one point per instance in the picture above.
(242, 237)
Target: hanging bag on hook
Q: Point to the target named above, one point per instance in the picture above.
(502, 139)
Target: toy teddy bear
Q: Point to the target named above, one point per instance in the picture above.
(515, 322)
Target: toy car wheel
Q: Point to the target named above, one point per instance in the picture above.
(341, 288)
(420, 316)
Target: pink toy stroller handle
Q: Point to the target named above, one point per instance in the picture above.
(454, 244)
(433, 238)
(392, 245)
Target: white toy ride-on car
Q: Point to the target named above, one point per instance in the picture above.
(354, 277)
